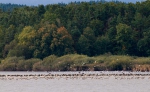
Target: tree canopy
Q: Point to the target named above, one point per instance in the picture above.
(89, 28)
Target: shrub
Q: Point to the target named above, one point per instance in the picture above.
(120, 63)
(116, 65)
(30, 62)
(10, 63)
(1, 68)
(13, 59)
(21, 65)
(9, 67)
(37, 66)
(142, 60)
(63, 63)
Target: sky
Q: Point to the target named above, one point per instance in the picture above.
(45, 2)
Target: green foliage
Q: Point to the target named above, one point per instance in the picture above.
(50, 17)
(89, 28)
(120, 64)
(28, 64)
(71, 61)
(46, 64)
(76, 62)
(75, 33)
(2, 43)
(142, 60)
(26, 36)
(9, 7)
(62, 42)
(101, 45)
(83, 45)
(89, 34)
(97, 26)
(41, 9)
(43, 40)
(10, 63)
(143, 44)
(124, 37)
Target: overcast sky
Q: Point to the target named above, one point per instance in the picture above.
(45, 2)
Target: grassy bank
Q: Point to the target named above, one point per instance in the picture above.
(75, 62)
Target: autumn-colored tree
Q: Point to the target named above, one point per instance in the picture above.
(77, 27)
(43, 39)
(62, 42)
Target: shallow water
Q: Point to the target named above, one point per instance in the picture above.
(104, 84)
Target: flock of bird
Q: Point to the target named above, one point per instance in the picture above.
(76, 75)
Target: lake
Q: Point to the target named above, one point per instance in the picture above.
(76, 82)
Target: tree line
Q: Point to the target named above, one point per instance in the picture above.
(89, 28)
(9, 6)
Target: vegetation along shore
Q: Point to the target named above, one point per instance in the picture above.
(79, 36)
(76, 62)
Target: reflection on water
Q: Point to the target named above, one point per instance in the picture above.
(94, 83)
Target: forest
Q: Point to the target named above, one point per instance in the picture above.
(33, 33)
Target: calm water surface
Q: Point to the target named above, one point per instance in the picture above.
(104, 84)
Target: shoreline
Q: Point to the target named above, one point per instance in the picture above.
(73, 75)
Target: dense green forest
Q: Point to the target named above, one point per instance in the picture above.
(85, 28)
(9, 7)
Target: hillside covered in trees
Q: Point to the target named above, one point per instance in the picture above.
(87, 28)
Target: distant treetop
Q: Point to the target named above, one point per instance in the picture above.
(9, 6)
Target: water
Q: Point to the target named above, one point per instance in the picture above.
(65, 84)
